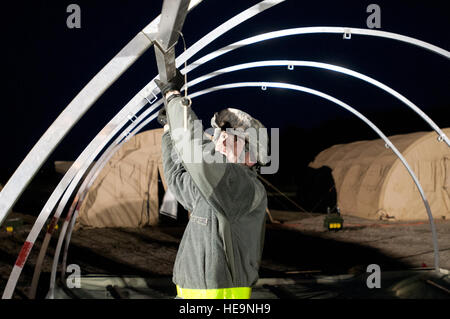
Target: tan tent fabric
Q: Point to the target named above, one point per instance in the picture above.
(62, 167)
(125, 193)
(371, 182)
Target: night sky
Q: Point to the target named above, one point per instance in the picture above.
(46, 64)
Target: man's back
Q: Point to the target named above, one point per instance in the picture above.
(222, 244)
(218, 250)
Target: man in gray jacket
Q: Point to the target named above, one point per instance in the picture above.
(220, 252)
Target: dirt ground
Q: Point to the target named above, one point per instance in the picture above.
(297, 243)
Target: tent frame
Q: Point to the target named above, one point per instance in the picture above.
(115, 146)
(76, 109)
(95, 88)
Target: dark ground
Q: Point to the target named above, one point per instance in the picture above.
(297, 244)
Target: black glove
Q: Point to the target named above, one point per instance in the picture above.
(175, 84)
(162, 117)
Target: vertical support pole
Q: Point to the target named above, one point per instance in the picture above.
(173, 15)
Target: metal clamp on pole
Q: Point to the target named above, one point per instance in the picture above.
(132, 117)
(153, 100)
(347, 34)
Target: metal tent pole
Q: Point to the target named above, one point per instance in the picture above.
(61, 126)
(149, 88)
(172, 19)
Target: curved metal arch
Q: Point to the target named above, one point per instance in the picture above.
(340, 30)
(74, 111)
(147, 90)
(72, 214)
(317, 30)
(441, 135)
(360, 116)
(78, 107)
(77, 202)
(296, 88)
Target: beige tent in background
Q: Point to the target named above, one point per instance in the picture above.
(125, 193)
(371, 182)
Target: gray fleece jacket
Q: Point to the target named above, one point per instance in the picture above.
(223, 241)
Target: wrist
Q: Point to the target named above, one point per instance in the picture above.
(166, 128)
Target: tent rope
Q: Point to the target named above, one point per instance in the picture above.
(282, 194)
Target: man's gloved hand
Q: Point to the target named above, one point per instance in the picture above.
(162, 117)
(175, 84)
